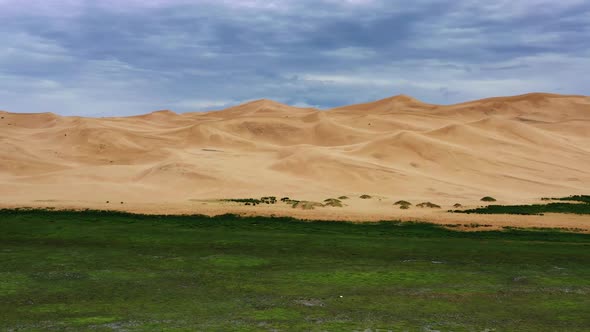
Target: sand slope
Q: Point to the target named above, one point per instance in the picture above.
(513, 148)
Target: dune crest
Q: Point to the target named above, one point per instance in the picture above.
(397, 103)
(517, 148)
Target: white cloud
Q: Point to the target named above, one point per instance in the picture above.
(353, 80)
(202, 104)
(114, 57)
(351, 53)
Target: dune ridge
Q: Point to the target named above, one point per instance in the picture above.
(516, 148)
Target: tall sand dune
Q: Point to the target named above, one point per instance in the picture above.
(515, 148)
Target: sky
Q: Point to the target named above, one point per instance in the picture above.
(125, 57)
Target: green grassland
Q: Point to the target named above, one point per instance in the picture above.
(533, 209)
(575, 198)
(108, 271)
(581, 206)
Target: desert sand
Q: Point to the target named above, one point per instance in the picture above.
(516, 149)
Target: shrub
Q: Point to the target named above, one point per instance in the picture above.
(268, 200)
(488, 199)
(343, 197)
(402, 203)
(457, 205)
(365, 196)
(333, 202)
(306, 205)
(428, 205)
(404, 207)
(252, 201)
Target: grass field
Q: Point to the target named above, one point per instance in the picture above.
(533, 209)
(106, 271)
(581, 206)
(574, 198)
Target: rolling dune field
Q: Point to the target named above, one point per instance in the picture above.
(516, 149)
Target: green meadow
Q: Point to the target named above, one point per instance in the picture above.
(108, 271)
(578, 204)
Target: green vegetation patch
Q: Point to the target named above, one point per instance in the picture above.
(235, 260)
(534, 209)
(365, 196)
(244, 200)
(11, 283)
(573, 198)
(121, 275)
(268, 200)
(106, 270)
(253, 201)
(488, 199)
(92, 320)
(275, 314)
(386, 278)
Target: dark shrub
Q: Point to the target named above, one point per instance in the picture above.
(333, 202)
(428, 205)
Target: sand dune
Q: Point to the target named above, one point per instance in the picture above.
(515, 148)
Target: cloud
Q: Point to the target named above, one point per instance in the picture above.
(203, 104)
(128, 57)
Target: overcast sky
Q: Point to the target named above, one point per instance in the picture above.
(122, 57)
